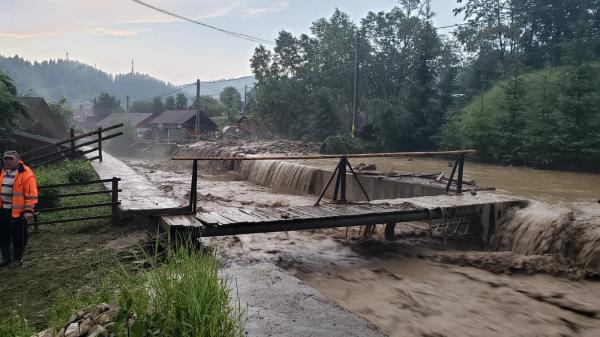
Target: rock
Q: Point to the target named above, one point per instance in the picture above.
(72, 330)
(97, 331)
(45, 333)
(107, 316)
(85, 325)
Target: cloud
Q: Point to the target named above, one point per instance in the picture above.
(77, 15)
(274, 7)
(103, 31)
(22, 35)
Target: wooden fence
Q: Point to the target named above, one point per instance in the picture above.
(71, 148)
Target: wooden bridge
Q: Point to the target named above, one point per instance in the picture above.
(459, 215)
(456, 212)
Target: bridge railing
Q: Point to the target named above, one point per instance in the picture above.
(340, 171)
(69, 148)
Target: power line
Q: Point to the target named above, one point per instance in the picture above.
(452, 26)
(168, 93)
(228, 32)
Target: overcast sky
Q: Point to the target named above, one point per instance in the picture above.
(110, 33)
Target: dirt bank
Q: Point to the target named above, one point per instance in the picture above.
(415, 287)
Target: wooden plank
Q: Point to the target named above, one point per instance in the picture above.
(268, 213)
(221, 219)
(181, 221)
(340, 211)
(253, 212)
(207, 219)
(286, 211)
(241, 217)
(303, 213)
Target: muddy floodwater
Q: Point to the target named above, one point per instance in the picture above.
(543, 185)
(416, 286)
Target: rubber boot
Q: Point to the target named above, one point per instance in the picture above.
(6, 258)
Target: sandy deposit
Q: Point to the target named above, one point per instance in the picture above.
(414, 287)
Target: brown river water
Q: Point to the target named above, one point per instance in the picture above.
(544, 185)
(418, 286)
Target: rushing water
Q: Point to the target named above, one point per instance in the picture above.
(551, 186)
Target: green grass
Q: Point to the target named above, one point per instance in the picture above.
(78, 170)
(180, 296)
(184, 296)
(68, 267)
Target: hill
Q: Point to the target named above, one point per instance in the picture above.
(80, 82)
(548, 118)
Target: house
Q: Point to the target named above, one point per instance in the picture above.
(246, 124)
(40, 120)
(172, 125)
(128, 118)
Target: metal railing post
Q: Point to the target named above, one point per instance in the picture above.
(115, 200)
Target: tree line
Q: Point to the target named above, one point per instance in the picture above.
(418, 88)
(229, 104)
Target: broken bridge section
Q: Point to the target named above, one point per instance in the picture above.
(481, 211)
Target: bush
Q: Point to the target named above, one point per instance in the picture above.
(346, 144)
(66, 172)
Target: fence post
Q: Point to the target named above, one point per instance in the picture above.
(72, 133)
(115, 201)
(100, 144)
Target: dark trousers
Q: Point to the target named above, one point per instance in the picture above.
(12, 230)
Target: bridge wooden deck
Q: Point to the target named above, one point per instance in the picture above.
(236, 221)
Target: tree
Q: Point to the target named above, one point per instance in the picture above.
(231, 98)
(141, 107)
(157, 105)
(181, 101)
(106, 104)
(170, 103)
(61, 109)
(10, 107)
(211, 106)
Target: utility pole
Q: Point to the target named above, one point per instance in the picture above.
(197, 107)
(127, 104)
(355, 99)
(245, 97)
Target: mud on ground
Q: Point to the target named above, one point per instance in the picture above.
(417, 286)
(69, 258)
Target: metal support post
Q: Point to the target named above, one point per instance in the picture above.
(461, 166)
(194, 188)
(342, 175)
(452, 175)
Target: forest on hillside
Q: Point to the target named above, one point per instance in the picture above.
(80, 83)
(423, 88)
(53, 79)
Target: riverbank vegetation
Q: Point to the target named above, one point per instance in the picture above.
(420, 87)
(71, 266)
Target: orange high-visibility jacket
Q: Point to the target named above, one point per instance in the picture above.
(25, 192)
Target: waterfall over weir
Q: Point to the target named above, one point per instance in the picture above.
(282, 176)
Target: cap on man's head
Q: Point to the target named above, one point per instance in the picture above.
(12, 153)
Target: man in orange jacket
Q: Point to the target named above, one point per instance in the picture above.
(19, 195)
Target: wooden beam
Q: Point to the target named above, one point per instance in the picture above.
(338, 156)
